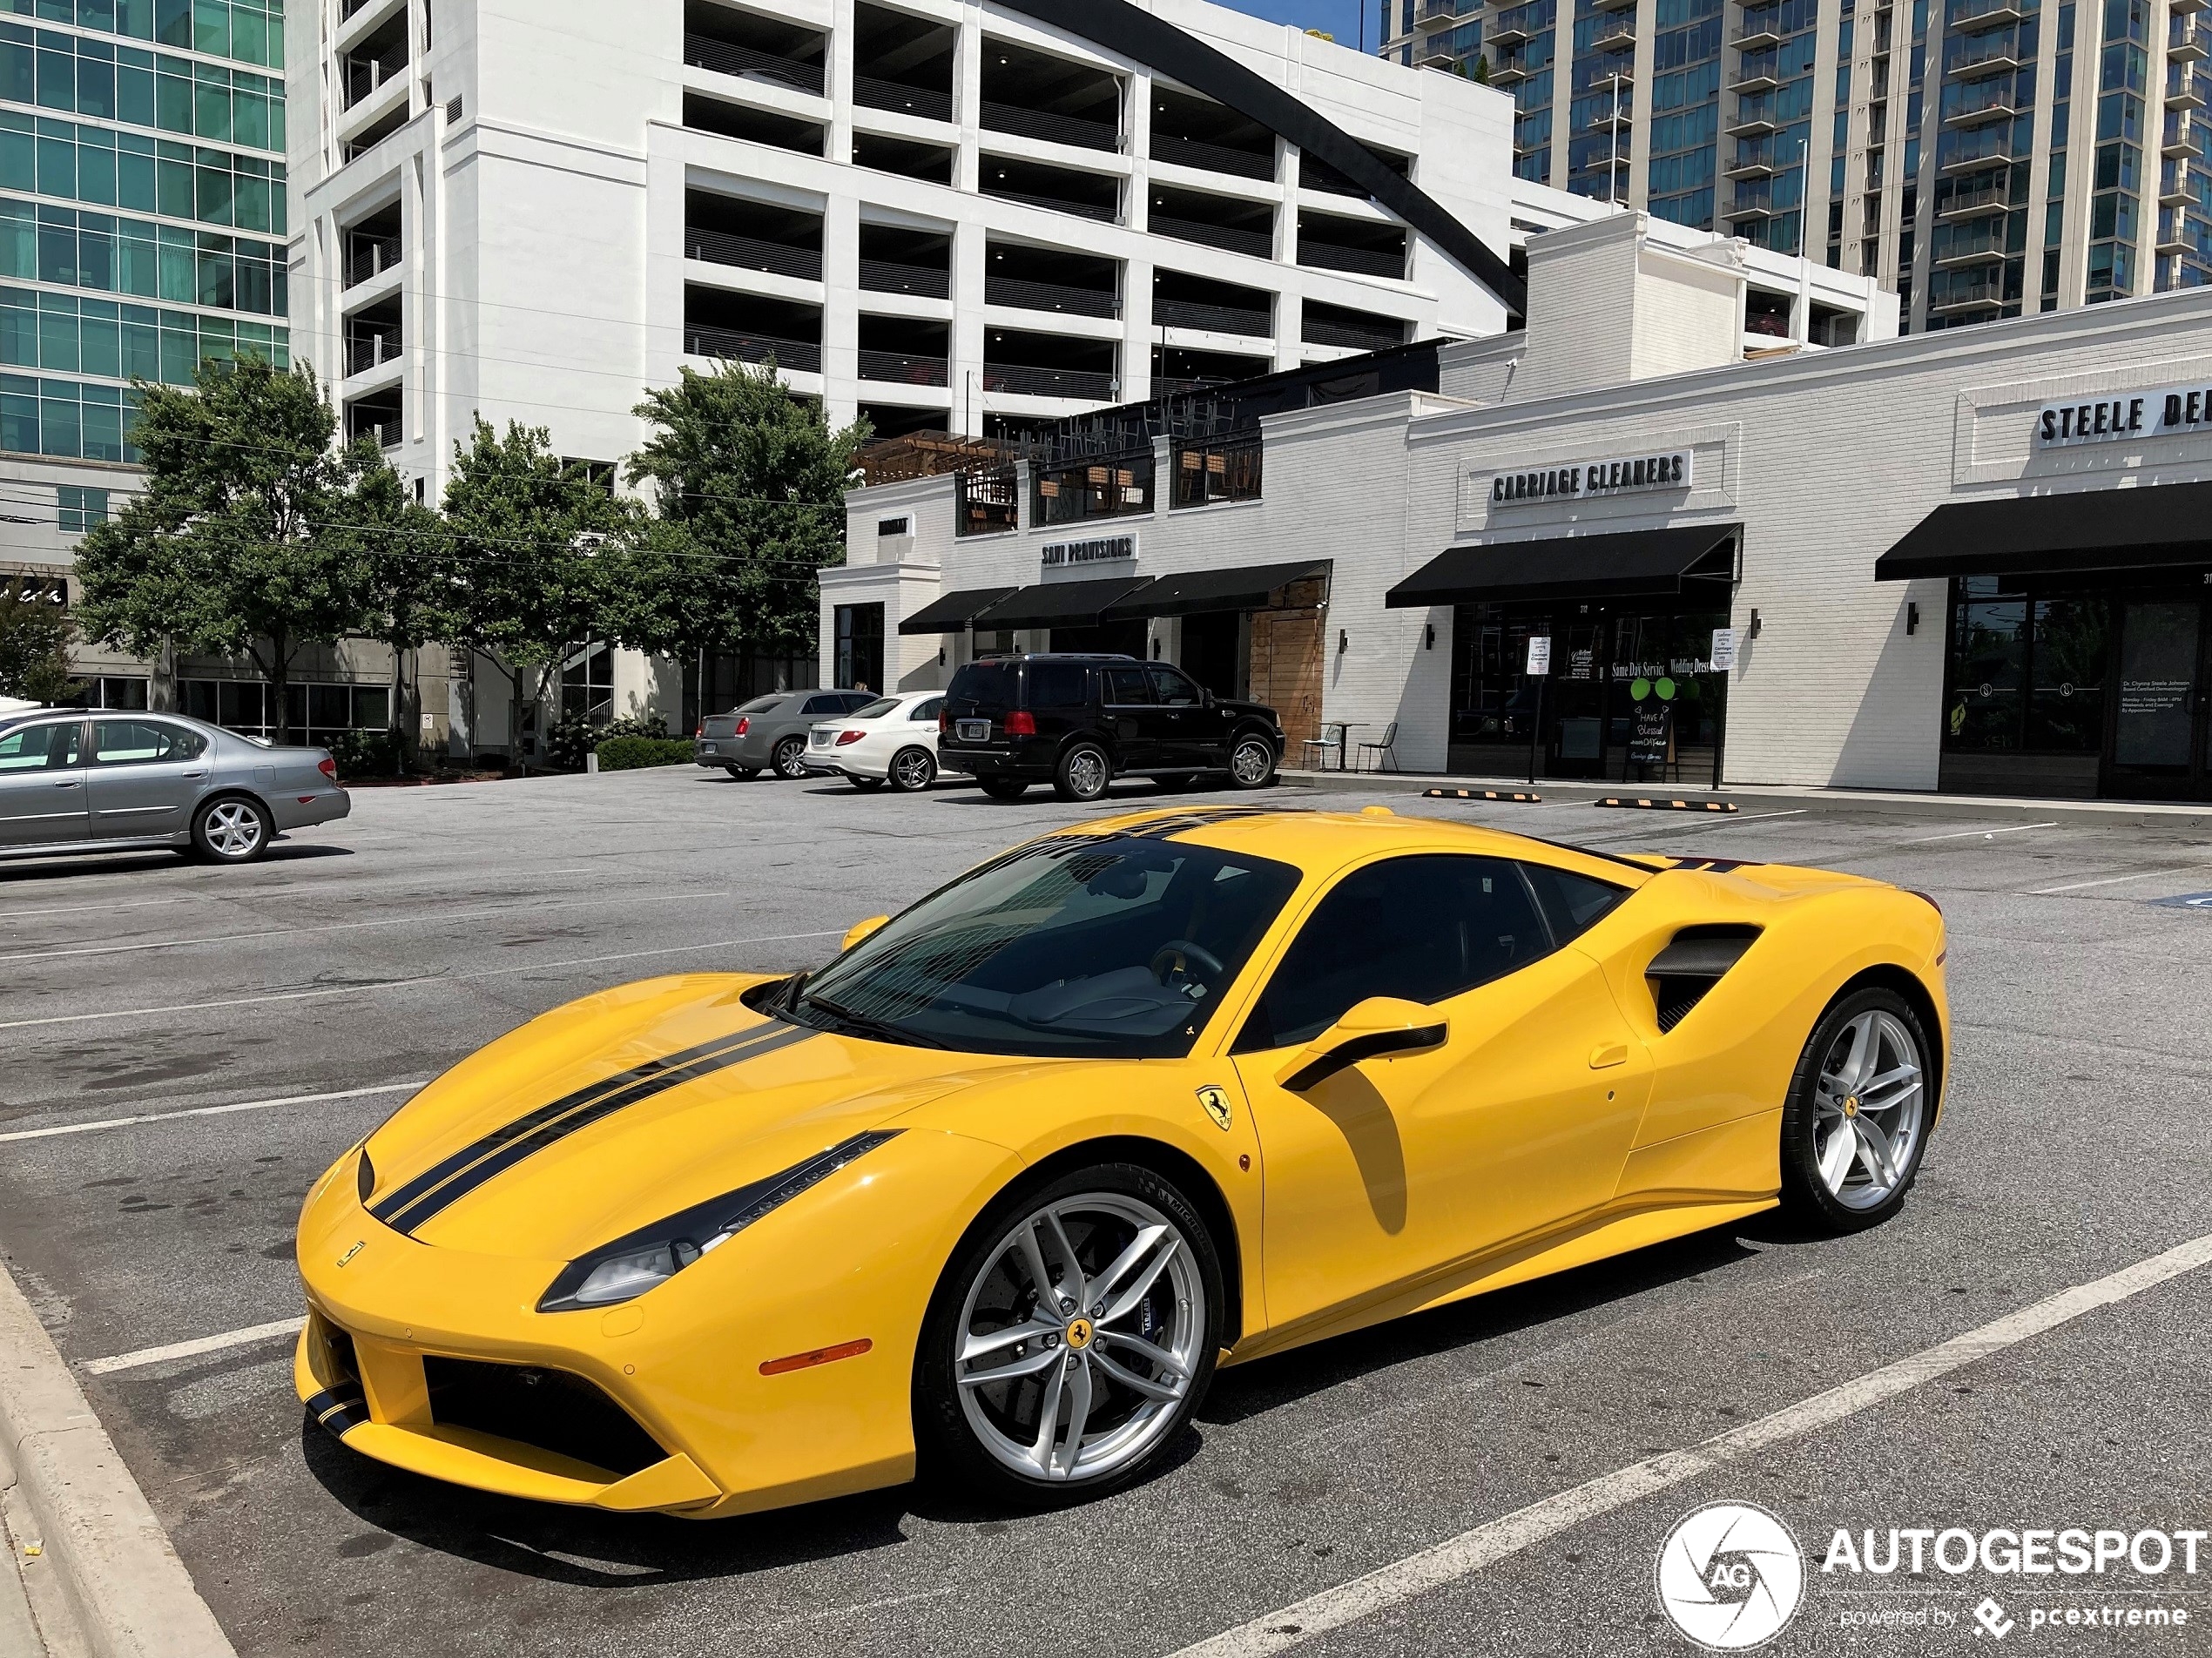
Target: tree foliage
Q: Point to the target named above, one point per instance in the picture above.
(249, 537)
(749, 495)
(34, 648)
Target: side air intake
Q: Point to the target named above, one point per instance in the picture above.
(1692, 964)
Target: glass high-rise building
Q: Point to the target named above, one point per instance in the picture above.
(1986, 157)
(143, 221)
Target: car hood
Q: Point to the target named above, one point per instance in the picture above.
(613, 1112)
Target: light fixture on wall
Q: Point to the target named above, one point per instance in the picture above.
(1344, 642)
(940, 656)
(1912, 618)
(1431, 645)
(1155, 647)
(1752, 632)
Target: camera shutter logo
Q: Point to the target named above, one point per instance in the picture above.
(1731, 1576)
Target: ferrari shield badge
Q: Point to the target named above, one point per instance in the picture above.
(1216, 1103)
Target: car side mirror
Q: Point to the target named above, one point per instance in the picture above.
(1378, 1026)
(861, 931)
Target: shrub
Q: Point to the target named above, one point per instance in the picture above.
(569, 742)
(628, 754)
(366, 754)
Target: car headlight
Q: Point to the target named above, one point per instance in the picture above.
(632, 1264)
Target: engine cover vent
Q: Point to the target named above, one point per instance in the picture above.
(1692, 964)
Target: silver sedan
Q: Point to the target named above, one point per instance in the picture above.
(125, 782)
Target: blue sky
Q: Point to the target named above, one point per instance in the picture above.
(1339, 17)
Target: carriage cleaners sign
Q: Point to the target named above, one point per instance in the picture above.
(2169, 411)
(1668, 469)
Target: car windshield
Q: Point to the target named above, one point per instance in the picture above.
(875, 710)
(1080, 946)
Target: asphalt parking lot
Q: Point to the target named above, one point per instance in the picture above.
(314, 989)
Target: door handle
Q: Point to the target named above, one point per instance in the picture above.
(1608, 1054)
(200, 773)
(71, 783)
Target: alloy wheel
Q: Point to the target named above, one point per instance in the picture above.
(1870, 1104)
(1080, 1338)
(232, 829)
(913, 769)
(790, 759)
(1249, 762)
(1087, 774)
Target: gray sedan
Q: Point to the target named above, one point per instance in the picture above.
(125, 782)
(770, 732)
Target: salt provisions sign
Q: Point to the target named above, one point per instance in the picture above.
(2164, 411)
(1102, 550)
(1665, 470)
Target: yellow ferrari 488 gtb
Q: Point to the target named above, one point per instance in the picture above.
(1000, 1186)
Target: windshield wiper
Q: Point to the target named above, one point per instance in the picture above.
(864, 1025)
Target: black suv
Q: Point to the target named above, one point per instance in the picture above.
(1079, 722)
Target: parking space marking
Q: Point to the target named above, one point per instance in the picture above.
(423, 979)
(82, 909)
(427, 917)
(147, 1356)
(211, 1111)
(1968, 834)
(1461, 1557)
(2114, 880)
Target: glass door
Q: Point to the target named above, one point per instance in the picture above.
(2157, 747)
(1581, 673)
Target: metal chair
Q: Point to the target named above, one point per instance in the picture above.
(1327, 744)
(1385, 753)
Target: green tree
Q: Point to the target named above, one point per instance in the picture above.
(532, 549)
(247, 540)
(748, 490)
(404, 544)
(1480, 73)
(34, 647)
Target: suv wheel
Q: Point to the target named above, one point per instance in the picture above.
(790, 758)
(1252, 762)
(1082, 774)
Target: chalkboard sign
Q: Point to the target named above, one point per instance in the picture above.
(1655, 727)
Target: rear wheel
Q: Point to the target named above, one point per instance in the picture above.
(1004, 788)
(743, 773)
(1252, 762)
(790, 759)
(1859, 1109)
(1082, 774)
(1071, 1336)
(231, 829)
(866, 785)
(913, 769)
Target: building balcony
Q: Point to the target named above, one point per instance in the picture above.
(740, 345)
(1035, 95)
(1763, 35)
(2184, 42)
(369, 72)
(1213, 158)
(1060, 190)
(752, 253)
(923, 103)
(1026, 294)
(1510, 29)
(750, 63)
(1050, 127)
(1987, 55)
(1987, 253)
(1618, 120)
(2182, 8)
(1968, 160)
(377, 418)
(1751, 124)
(1442, 14)
(896, 368)
(1361, 261)
(2177, 195)
(895, 276)
(1508, 75)
(368, 256)
(1975, 113)
(1212, 318)
(1026, 379)
(2182, 93)
(1985, 14)
(368, 350)
(1967, 204)
(2178, 142)
(1760, 79)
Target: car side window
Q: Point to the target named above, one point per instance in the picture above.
(928, 711)
(1173, 686)
(40, 748)
(1424, 927)
(1127, 687)
(1059, 684)
(1572, 903)
(856, 700)
(143, 742)
(824, 706)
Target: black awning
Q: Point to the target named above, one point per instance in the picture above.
(953, 612)
(1248, 588)
(1057, 604)
(1655, 563)
(2082, 529)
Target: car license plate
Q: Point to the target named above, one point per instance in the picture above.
(821, 739)
(708, 748)
(972, 730)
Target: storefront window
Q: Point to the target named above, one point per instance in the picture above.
(2027, 669)
(1988, 659)
(2066, 708)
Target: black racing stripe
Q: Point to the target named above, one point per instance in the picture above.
(500, 1150)
(338, 1413)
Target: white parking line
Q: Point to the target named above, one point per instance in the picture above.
(1461, 1557)
(1968, 834)
(2114, 880)
(428, 916)
(192, 1349)
(84, 909)
(211, 1111)
(402, 984)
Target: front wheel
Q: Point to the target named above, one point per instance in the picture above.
(231, 829)
(1252, 762)
(1004, 788)
(911, 770)
(1859, 1114)
(1082, 774)
(790, 759)
(1071, 1337)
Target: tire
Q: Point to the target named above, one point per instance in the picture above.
(1082, 774)
(231, 829)
(913, 770)
(743, 773)
(788, 759)
(866, 785)
(1251, 761)
(1869, 1036)
(1004, 788)
(983, 1436)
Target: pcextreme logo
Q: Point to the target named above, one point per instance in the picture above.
(1731, 1576)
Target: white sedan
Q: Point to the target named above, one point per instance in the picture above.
(893, 739)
